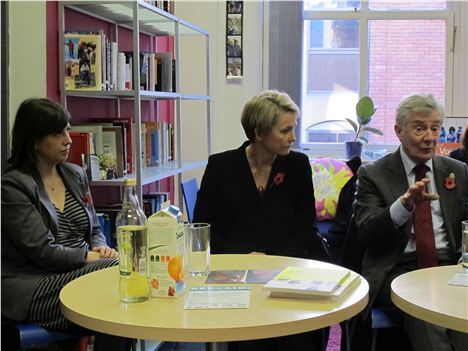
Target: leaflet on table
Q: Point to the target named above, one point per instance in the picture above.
(261, 276)
(249, 276)
(217, 297)
(226, 276)
(459, 278)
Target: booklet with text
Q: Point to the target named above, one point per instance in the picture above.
(308, 280)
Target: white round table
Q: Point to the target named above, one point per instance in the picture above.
(92, 301)
(426, 294)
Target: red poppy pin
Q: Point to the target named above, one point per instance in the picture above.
(87, 199)
(450, 182)
(278, 178)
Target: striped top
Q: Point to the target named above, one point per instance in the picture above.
(72, 222)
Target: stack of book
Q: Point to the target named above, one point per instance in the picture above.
(104, 146)
(313, 283)
(93, 62)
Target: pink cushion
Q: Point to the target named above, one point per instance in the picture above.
(329, 176)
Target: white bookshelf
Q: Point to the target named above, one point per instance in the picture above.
(143, 18)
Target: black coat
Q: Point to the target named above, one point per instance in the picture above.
(281, 222)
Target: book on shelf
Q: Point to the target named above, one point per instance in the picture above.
(92, 167)
(307, 281)
(152, 202)
(173, 76)
(166, 5)
(80, 146)
(113, 150)
(113, 65)
(104, 76)
(151, 137)
(96, 130)
(152, 73)
(144, 69)
(82, 54)
(165, 142)
(163, 71)
(110, 211)
(127, 126)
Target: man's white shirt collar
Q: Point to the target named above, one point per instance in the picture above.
(409, 163)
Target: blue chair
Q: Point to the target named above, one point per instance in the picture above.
(189, 190)
(380, 320)
(351, 258)
(25, 335)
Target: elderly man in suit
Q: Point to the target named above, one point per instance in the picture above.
(409, 209)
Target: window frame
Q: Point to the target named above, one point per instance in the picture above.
(364, 15)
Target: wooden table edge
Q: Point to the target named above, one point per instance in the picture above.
(216, 335)
(429, 316)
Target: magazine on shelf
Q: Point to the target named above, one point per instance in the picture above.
(307, 281)
(82, 61)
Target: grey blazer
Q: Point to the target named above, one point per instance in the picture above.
(29, 232)
(382, 182)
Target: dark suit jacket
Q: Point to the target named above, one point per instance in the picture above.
(380, 183)
(29, 232)
(282, 222)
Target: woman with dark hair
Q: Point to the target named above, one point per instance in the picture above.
(50, 232)
(461, 154)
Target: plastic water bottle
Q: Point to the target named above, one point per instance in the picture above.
(132, 245)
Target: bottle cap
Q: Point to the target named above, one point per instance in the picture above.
(174, 210)
(130, 182)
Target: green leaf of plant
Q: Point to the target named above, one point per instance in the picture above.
(372, 130)
(365, 109)
(353, 124)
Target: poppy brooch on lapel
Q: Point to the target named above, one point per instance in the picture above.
(450, 182)
(278, 178)
(87, 199)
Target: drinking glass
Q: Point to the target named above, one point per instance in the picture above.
(464, 249)
(198, 249)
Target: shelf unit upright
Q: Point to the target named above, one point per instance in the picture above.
(142, 18)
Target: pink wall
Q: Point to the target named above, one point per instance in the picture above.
(83, 108)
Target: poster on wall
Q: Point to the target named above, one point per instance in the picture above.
(451, 134)
(234, 39)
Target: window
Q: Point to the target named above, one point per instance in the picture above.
(384, 49)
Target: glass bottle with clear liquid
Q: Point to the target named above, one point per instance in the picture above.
(132, 244)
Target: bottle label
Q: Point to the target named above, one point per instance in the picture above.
(142, 265)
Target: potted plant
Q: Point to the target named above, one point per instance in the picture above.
(364, 111)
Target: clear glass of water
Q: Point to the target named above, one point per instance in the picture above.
(198, 249)
(464, 248)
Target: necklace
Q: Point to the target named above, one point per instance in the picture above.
(52, 185)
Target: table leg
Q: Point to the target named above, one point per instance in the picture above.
(216, 346)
